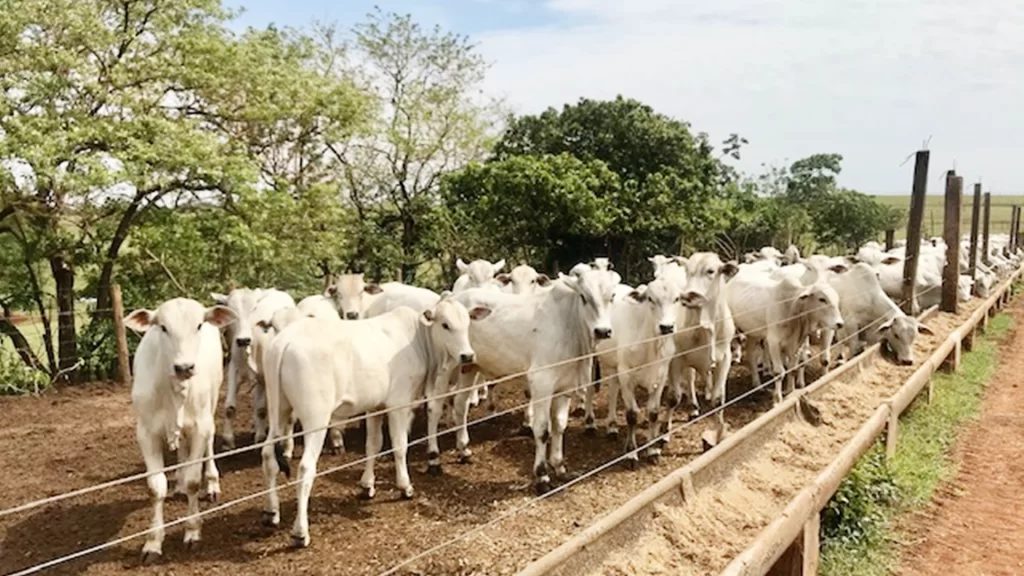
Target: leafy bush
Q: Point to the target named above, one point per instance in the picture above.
(860, 502)
(97, 351)
(17, 378)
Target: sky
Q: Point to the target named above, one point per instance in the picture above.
(873, 81)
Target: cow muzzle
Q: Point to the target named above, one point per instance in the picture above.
(602, 333)
(243, 342)
(184, 371)
(666, 328)
(693, 300)
(467, 358)
(351, 315)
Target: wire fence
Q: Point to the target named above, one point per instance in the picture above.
(717, 410)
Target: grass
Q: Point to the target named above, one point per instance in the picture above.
(934, 212)
(860, 529)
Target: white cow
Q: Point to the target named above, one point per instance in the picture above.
(529, 333)
(602, 264)
(477, 274)
(324, 368)
(178, 372)
(706, 331)
(246, 347)
(351, 295)
(317, 305)
(523, 279)
(869, 315)
(780, 312)
(661, 262)
(637, 356)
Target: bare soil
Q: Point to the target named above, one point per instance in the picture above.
(82, 436)
(975, 524)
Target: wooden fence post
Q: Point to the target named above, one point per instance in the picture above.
(890, 239)
(124, 373)
(975, 215)
(1016, 229)
(984, 228)
(1014, 221)
(914, 230)
(951, 234)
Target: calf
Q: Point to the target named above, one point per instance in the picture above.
(780, 312)
(323, 368)
(177, 375)
(527, 334)
(524, 279)
(246, 347)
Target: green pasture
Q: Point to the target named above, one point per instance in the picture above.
(934, 212)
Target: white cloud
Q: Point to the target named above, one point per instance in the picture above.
(870, 80)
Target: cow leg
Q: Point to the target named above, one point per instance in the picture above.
(527, 415)
(559, 423)
(589, 422)
(632, 418)
(434, 408)
(827, 334)
(539, 423)
(778, 367)
(611, 427)
(314, 444)
(462, 402)
(753, 357)
(374, 441)
(230, 402)
(653, 451)
(212, 488)
(691, 374)
(259, 406)
(399, 421)
(193, 483)
(179, 474)
(152, 449)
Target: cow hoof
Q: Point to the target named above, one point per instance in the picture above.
(270, 519)
(653, 457)
(542, 487)
(632, 463)
(525, 430)
(212, 496)
(434, 469)
(566, 476)
(465, 457)
(579, 412)
(612, 433)
(300, 541)
(367, 493)
(407, 494)
(191, 544)
(150, 557)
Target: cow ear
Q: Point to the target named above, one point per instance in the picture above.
(461, 265)
(924, 329)
(219, 298)
(504, 279)
(616, 278)
(265, 325)
(679, 260)
(852, 260)
(140, 320)
(427, 318)
(479, 313)
(886, 325)
(331, 290)
(446, 294)
(499, 265)
(543, 280)
(373, 288)
(219, 316)
(572, 282)
(891, 260)
(729, 269)
(638, 296)
(838, 268)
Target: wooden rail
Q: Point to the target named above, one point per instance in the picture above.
(794, 533)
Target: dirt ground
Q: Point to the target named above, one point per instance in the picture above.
(83, 436)
(975, 524)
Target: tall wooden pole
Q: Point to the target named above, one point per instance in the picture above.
(914, 230)
(124, 373)
(890, 239)
(951, 234)
(984, 228)
(975, 215)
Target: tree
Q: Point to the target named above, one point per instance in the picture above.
(111, 108)
(430, 119)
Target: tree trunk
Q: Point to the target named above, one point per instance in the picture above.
(107, 272)
(408, 250)
(67, 345)
(37, 296)
(21, 346)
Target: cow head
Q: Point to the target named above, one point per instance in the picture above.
(819, 304)
(241, 301)
(899, 334)
(479, 272)
(661, 296)
(705, 276)
(593, 290)
(449, 326)
(524, 279)
(178, 323)
(347, 294)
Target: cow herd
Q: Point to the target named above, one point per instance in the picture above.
(378, 351)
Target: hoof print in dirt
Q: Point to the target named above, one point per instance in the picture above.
(434, 469)
(542, 488)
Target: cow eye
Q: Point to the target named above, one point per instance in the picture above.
(583, 299)
(164, 328)
(710, 272)
(200, 327)
(445, 326)
(822, 300)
